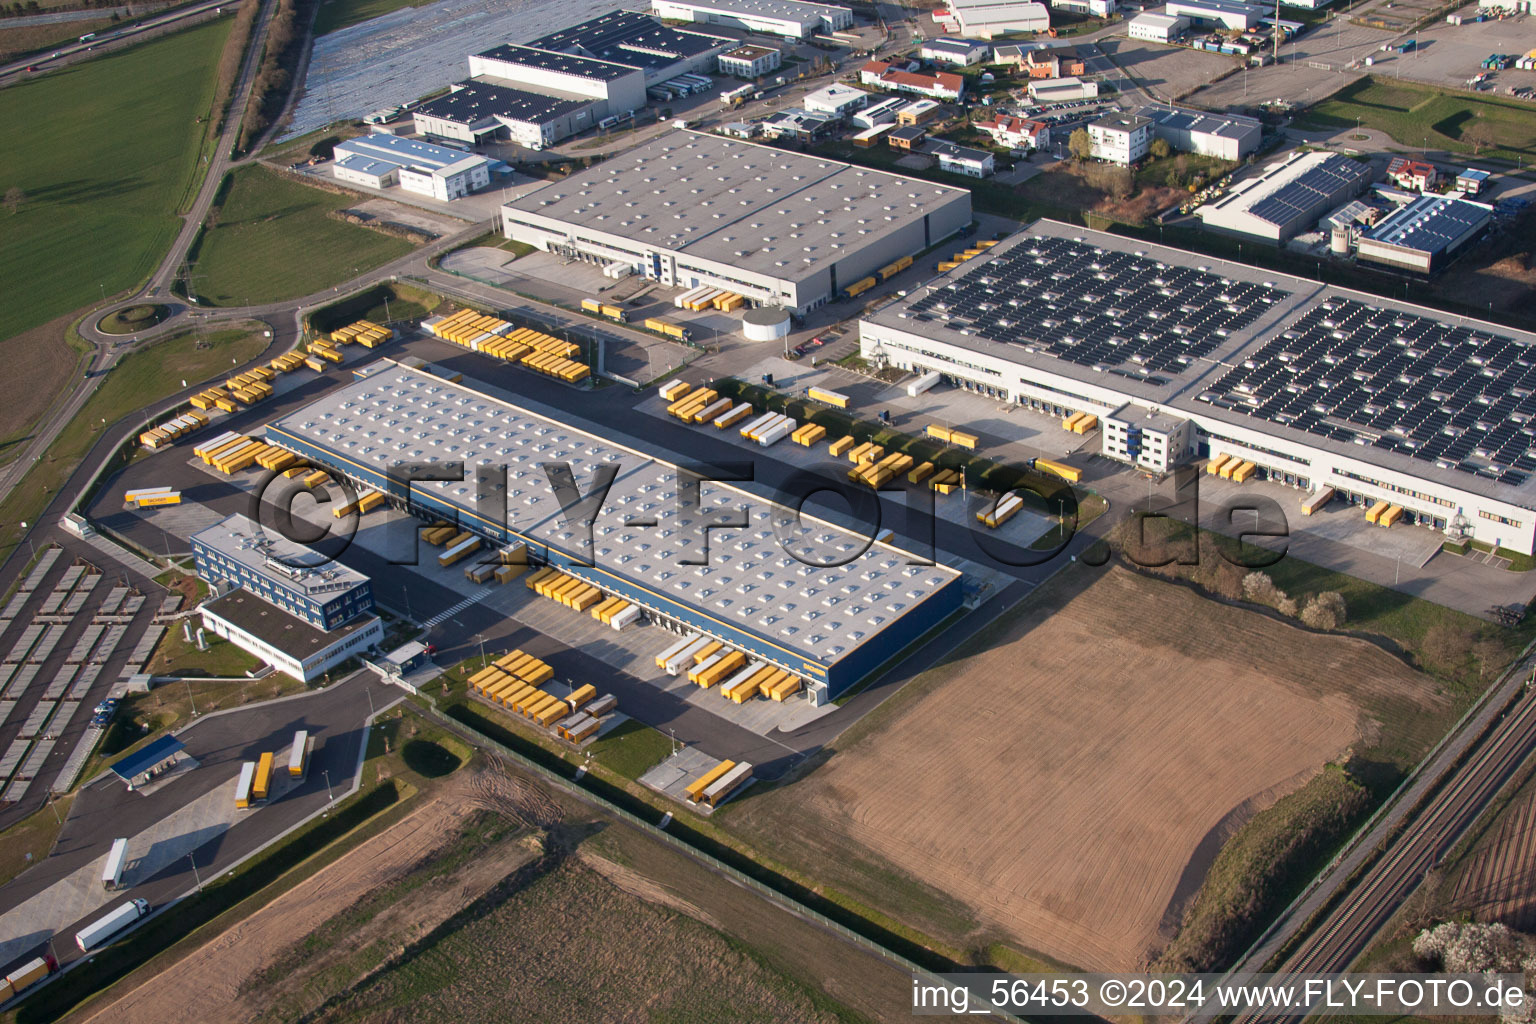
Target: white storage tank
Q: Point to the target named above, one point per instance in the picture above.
(765, 324)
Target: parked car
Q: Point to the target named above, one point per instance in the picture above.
(101, 720)
(106, 707)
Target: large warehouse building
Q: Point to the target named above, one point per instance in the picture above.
(988, 19)
(819, 602)
(793, 19)
(782, 229)
(480, 112)
(1424, 233)
(1188, 357)
(1288, 197)
(379, 161)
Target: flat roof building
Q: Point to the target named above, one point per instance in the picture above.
(1228, 14)
(307, 583)
(635, 40)
(957, 159)
(808, 597)
(782, 229)
(954, 50)
(1120, 138)
(1423, 234)
(750, 61)
(1287, 198)
(482, 111)
(1317, 386)
(287, 643)
(988, 19)
(1062, 90)
(836, 99)
(1156, 28)
(941, 85)
(379, 161)
(793, 19)
(1224, 136)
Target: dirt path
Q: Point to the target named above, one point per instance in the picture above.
(205, 985)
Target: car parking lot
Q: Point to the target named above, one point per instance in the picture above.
(1450, 55)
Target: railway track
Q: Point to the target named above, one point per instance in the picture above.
(1462, 797)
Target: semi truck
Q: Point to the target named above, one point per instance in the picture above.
(110, 924)
(112, 872)
(27, 975)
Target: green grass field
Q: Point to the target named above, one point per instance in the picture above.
(335, 14)
(271, 239)
(1421, 115)
(104, 172)
(139, 380)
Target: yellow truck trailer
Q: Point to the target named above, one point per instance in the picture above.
(696, 788)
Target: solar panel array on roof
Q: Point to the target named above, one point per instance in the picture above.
(1311, 188)
(1098, 308)
(1460, 397)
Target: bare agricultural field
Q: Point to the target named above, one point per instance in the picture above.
(39, 364)
(1496, 879)
(1053, 790)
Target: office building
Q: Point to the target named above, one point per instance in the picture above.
(1120, 138)
(379, 161)
(750, 61)
(1157, 28)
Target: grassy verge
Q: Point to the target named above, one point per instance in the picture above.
(385, 303)
(175, 656)
(142, 378)
(1421, 115)
(1262, 867)
(91, 224)
(132, 319)
(271, 238)
(29, 840)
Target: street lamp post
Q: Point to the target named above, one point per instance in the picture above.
(191, 859)
(329, 796)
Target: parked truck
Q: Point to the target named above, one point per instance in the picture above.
(112, 872)
(27, 975)
(110, 924)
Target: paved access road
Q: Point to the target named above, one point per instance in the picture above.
(220, 742)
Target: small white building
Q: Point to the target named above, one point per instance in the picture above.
(1224, 136)
(836, 99)
(954, 50)
(750, 61)
(987, 19)
(1157, 28)
(956, 159)
(438, 171)
(1062, 90)
(1155, 441)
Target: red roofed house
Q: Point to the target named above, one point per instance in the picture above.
(1413, 174)
(1014, 132)
(1054, 62)
(941, 86)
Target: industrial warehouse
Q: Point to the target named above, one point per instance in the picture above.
(780, 229)
(815, 601)
(1411, 414)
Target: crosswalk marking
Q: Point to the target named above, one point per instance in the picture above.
(451, 612)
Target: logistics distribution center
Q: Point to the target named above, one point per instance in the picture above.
(764, 588)
(782, 229)
(1382, 403)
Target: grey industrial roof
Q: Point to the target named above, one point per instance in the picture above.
(789, 10)
(273, 556)
(955, 151)
(1120, 121)
(561, 63)
(404, 152)
(749, 581)
(1293, 188)
(1229, 6)
(367, 165)
(1180, 119)
(954, 45)
(1386, 382)
(278, 628)
(478, 100)
(630, 38)
(1430, 223)
(754, 207)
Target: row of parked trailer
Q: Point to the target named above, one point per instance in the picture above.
(1383, 513)
(603, 309)
(1080, 422)
(256, 780)
(617, 613)
(167, 433)
(999, 512)
(149, 497)
(676, 332)
(493, 336)
(682, 85)
(958, 438)
(364, 332)
(718, 782)
(707, 662)
(960, 257)
(1230, 467)
(885, 273)
(514, 682)
(505, 565)
(706, 297)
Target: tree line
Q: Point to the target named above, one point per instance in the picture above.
(285, 43)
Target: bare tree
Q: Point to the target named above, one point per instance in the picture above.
(1479, 135)
(14, 197)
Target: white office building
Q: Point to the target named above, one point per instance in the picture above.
(1062, 90)
(954, 50)
(750, 61)
(1262, 367)
(379, 161)
(793, 19)
(836, 99)
(1120, 138)
(782, 229)
(1157, 28)
(1092, 8)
